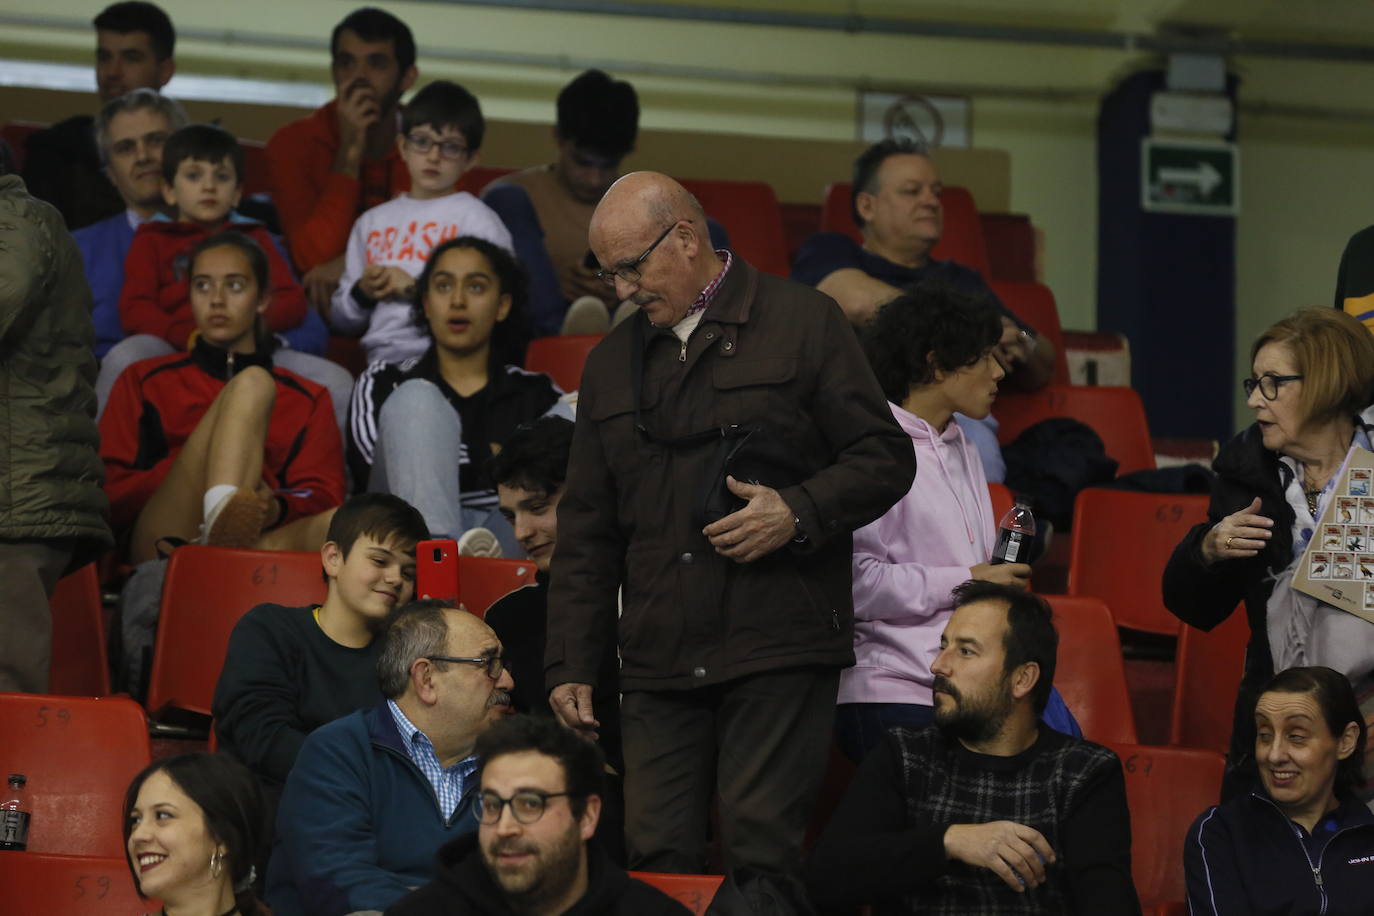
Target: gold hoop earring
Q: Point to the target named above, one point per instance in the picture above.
(216, 863)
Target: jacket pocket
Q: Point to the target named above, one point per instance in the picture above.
(748, 390)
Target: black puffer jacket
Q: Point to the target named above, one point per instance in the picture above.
(50, 470)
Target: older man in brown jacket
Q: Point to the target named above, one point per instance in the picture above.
(733, 629)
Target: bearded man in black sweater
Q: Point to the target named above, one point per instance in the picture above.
(986, 811)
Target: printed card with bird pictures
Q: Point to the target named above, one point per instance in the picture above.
(1338, 565)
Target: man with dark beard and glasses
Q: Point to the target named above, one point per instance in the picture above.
(342, 159)
(375, 793)
(540, 800)
(987, 811)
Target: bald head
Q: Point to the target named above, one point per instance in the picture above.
(664, 278)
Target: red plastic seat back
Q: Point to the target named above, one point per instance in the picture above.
(482, 580)
(1002, 500)
(1034, 304)
(1206, 678)
(750, 213)
(1166, 788)
(16, 134)
(692, 891)
(206, 592)
(1089, 671)
(257, 178)
(1121, 544)
(1116, 414)
(79, 755)
(38, 884)
(962, 239)
(561, 358)
(475, 179)
(80, 664)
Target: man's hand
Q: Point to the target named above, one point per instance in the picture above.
(381, 282)
(1017, 853)
(358, 109)
(1013, 347)
(1016, 575)
(320, 282)
(572, 704)
(760, 528)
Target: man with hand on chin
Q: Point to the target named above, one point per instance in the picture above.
(329, 167)
(375, 793)
(987, 810)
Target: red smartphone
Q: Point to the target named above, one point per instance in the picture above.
(436, 569)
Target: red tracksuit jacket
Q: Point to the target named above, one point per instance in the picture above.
(156, 404)
(156, 295)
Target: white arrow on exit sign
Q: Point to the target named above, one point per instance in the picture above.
(1204, 176)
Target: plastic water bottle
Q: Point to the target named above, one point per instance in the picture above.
(1015, 535)
(14, 815)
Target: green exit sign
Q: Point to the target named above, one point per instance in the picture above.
(1189, 176)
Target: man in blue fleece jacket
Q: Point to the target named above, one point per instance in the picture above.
(375, 794)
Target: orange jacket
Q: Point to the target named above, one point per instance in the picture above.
(317, 205)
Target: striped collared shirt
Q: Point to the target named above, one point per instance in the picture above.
(709, 292)
(449, 784)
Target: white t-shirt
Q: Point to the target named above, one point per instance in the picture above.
(401, 233)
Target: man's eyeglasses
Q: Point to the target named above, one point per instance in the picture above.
(493, 663)
(1267, 384)
(630, 272)
(526, 806)
(451, 150)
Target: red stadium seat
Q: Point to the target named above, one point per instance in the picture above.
(750, 213)
(1034, 304)
(257, 178)
(1002, 500)
(962, 241)
(16, 134)
(561, 358)
(80, 664)
(347, 352)
(1171, 909)
(1116, 414)
(693, 891)
(1206, 678)
(79, 755)
(1089, 672)
(1121, 543)
(206, 592)
(1166, 788)
(475, 179)
(39, 884)
(482, 580)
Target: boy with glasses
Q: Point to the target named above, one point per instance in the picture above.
(533, 852)
(441, 133)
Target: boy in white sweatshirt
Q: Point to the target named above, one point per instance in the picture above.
(441, 133)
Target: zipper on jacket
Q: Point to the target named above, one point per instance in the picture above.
(229, 366)
(682, 354)
(1315, 867)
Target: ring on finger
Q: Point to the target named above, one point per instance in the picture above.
(1229, 540)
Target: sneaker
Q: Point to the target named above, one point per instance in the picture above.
(586, 315)
(236, 522)
(479, 542)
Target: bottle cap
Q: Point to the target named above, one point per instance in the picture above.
(17, 780)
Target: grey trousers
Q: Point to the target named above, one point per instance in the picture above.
(29, 571)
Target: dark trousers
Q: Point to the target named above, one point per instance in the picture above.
(761, 742)
(859, 727)
(29, 571)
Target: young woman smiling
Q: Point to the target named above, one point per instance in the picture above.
(193, 827)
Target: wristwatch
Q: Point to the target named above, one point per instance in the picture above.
(800, 537)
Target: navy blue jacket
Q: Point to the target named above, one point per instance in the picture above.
(359, 824)
(1247, 857)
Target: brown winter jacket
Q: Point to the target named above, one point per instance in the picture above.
(767, 349)
(50, 472)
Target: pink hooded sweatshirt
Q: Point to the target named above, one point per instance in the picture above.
(907, 562)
